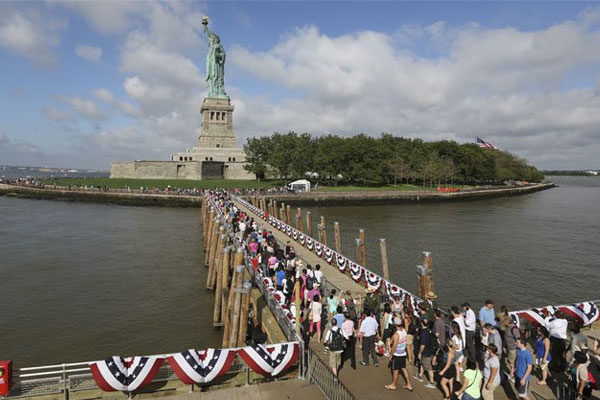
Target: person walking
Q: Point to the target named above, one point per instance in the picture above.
(458, 341)
(471, 383)
(557, 328)
(542, 353)
(448, 371)
(368, 336)
(336, 341)
(491, 372)
(398, 352)
(522, 371)
(349, 351)
(511, 334)
(425, 354)
(493, 337)
(315, 318)
(487, 314)
(470, 325)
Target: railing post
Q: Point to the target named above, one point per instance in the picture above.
(65, 386)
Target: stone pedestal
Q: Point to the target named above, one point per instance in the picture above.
(216, 130)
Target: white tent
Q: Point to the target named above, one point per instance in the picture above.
(301, 185)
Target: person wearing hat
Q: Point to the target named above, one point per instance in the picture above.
(372, 302)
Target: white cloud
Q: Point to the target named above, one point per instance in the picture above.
(86, 109)
(503, 84)
(3, 139)
(108, 17)
(89, 53)
(30, 34)
(57, 115)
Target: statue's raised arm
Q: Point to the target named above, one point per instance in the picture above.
(215, 64)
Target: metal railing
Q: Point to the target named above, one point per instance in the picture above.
(320, 374)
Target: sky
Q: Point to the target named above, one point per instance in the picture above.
(84, 83)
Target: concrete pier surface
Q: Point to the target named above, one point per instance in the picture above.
(294, 389)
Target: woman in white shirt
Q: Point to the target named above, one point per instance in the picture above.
(457, 339)
(315, 309)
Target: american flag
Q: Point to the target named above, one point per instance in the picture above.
(483, 143)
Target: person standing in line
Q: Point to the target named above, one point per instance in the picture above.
(315, 311)
(494, 337)
(398, 354)
(333, 301)
(368, 337)
(349, 351)
(458, 347)
(336, 341)
(487, 314)
(318, 274)
(425, 354)
(460, 320)
(581, 378)
(397, 305)
(471, 384)
(411, 330)
(491, 372)
(439, 327)
(577, 341)
(448, 371)
(511, 334)
(557, 327)
(522, 371)
(542, 353)
(470, 325)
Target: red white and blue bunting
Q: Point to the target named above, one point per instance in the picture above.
(586, 312)
(356, 271)
(341, 261)
(309, 243)
(328, 253)
(318, 248)
(302, 239)
(393, 290)
(373, 280)
(270, 359)
(412, 303)
(294, 234)
(194, 366)
(117, 374)
(288, 230)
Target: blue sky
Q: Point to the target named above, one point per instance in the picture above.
(86, 83)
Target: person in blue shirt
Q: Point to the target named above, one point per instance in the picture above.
(339, 316)
(280, 274)
(487, 314)
(522, 369)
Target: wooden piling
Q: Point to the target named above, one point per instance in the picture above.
(289, 215)
(224, 292)
(357, 254)
(323, 231)
(427, 261)
(337, 237)
(210, 254)
(237, 303)
(208, 235)
(245, 306)
(275, 210)
(363, 247)
(238, 259)
(309, 227)
(213, 265)
(219, 287)
(298, 304)
(385, 266)
(299, 224)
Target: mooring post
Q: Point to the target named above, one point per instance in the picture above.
(309, 228)
(210, 254)
(427, 261)
(282, 215)
(385, 266)
(235, 317)
(289, 215)
(246, 287)
(298, 304)
(337, 237)
(275, 209)
(208, 234)
(357, 257)
(323, 231)
(214, 263)
(219, 287)
(237, 260)
(299, 224)
(363, 247)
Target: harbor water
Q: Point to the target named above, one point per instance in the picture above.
(85, 281)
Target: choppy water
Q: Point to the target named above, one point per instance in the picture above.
(85, 281)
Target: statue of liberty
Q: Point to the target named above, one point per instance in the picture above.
(215, 64)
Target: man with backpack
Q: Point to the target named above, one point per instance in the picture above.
(511, 334)
(336, 341)
(428, 347)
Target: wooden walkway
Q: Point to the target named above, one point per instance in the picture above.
(367, 382)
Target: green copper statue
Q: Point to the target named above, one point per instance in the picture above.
(215, 64)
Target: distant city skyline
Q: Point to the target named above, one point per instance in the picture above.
(87, 83)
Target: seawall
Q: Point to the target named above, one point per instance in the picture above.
(312, 198)
(401, 197)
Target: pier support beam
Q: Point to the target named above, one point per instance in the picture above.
(322, 231)
(337, 237)
(363, 247)
(299, 224)
(214, 263)
(309, 228)
(237, 303)
(230, 297)
(289, 214)
(425, 274)
(246, 287)
(385, 266)
(275, 209)
(221, 277)
(210, 254)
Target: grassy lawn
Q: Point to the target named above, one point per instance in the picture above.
(385, 187)
(162, 183)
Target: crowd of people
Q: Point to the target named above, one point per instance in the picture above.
(463, 353)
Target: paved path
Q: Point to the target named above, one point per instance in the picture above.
(294, 389)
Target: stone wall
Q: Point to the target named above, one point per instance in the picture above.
(173, 170)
